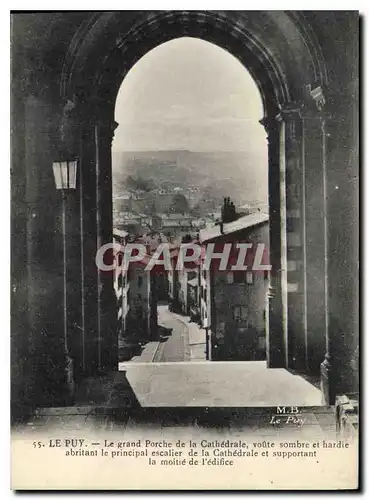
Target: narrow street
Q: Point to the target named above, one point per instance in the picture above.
(174, 343)
(174, 372)
(180, 340)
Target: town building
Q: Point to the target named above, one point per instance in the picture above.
(193, 300)
(123, 203)
(254, 206)
(152, 240)
(136, 294)
(161, 199)
(142, 317)
(193, 195)
(198, 223)
(187, 290)
(132, 222)
(172, 224)
(184, 284)
(138, 201)
(234, 302)
(121, 282)
(172, 276)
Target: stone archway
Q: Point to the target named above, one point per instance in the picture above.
(63, 70)
(279, 51)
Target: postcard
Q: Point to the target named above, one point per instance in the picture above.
(185, 248)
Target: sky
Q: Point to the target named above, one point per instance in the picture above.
(189, 94)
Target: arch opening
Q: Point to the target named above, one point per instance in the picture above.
(189, 137)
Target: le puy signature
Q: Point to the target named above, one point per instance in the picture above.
(287, 415)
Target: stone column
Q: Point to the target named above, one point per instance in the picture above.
(107, 303)
(88, 230)
(46, 379)
(20, 328)
(331, 168)
(73, 282)
(296, 270)
(98, 318)
(277, 324)
(315, 236)
(69, 145)
(340, 369)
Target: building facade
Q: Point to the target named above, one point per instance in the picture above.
(136, 292)
(194, 288)
(237, 298)
(172, 225)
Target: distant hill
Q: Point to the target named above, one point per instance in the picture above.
(226, 173)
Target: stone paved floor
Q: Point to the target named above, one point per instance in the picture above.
(180, 340)
(222, 384)
(175, 342)
(196, 338)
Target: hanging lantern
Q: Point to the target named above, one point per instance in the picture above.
(65, 174)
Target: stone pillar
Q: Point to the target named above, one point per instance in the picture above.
(296, 275)
(316, 237)
(70, 145)
(73, 282)
(46, 379)
(107, 302)
(331, 212)
(277, 324)
(340, 369)
(20, 328)
(88, 228)
(98, 316)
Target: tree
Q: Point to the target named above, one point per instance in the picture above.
(187, 238)
(180, 204)
(139, 184)
(196, 211)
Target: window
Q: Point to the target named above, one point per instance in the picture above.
(239, 313)
(239, 276)
(120, 281)
(138, 298)
(191, 275)
(119, 259)
(229, 278)
(220, 331)
(243, 277)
